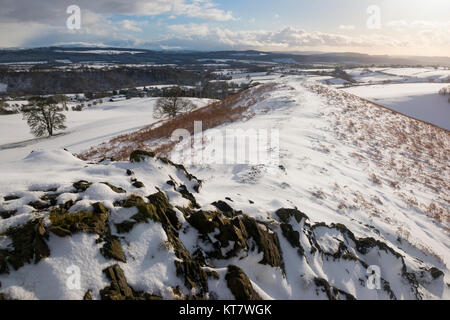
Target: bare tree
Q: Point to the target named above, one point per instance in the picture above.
(43, 116)
(172, 104)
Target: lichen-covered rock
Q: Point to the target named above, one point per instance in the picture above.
(114, 188)
(138, 184)
(285, 215)
(112, 249)
(189, 196)
(88, 295)
(331, 292)
(203, 221)
(266, 240)
(39, 205)
(3, 261)
(11, 197)
(436, 273)
(82, 185)
(99, 208)
(292, 236)
(224, 207)
(118, 288)
(65, 224)
(6, 214)
(146, 212)
(239, 230)
(140, 155)
(29, 242)
(188, 175)
(240, 285)
(187, 267)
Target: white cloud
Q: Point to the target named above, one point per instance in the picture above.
(346, 27)
(191, 30)
(423, 31)
(49, 12)
(281, 39)
(130, 25)
(195, 36)
(419, 24)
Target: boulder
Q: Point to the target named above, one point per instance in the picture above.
(29, 242)
(140, 155)
(240, 285)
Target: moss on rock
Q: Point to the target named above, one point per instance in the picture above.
(112, 249)
(64, 224)
(118, 288)
(29, 242)
(140, 155)
(114, 188)
(82, 185)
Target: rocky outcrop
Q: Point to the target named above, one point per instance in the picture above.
(140, 155)
(223, 234)
(331, 292)
(240, 285)
(119, 288)
(29, 243)
(240, 230)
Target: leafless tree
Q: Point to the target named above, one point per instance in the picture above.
(43, 116)
(172, 105)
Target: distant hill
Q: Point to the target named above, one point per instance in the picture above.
(127, 56)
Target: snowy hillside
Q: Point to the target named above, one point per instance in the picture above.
(350, 188)
(417, 100)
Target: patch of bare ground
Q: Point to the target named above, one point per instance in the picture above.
(406, 153)
(156, 137)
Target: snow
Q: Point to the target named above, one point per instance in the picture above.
(305, 136)
(422, 73)
(49, 278)
(151, 267)
(84, 129)
(316, 171)
(3, 87)
(417, 100)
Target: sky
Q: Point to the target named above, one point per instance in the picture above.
(394, 27)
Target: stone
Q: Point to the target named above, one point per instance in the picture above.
(240, 285)
(29, 242)
(140, 155)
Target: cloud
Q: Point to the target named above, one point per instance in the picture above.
(130, 25)
(51, 12)
(47, 16)
(191, 30)
(419, 24)
(423, 31)
(346, 27)
(286, 38)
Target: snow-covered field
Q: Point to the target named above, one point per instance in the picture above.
(84, 129)
(372, 187)
(378, 75)
(417, 100)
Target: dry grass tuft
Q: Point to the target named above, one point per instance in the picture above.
(156, 137)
